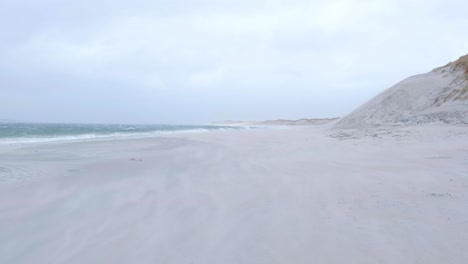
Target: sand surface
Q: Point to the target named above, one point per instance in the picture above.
(299, 195)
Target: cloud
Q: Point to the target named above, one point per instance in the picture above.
(227, 51)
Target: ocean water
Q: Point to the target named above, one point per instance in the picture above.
(36, 132)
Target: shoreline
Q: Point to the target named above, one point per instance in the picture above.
(115, 136)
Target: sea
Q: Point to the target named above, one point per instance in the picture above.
(11, 133)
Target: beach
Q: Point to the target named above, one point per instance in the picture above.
(291, 195)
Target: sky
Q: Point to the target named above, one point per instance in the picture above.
(199, 61)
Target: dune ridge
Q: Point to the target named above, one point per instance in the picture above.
(439, 96)
(280, 122)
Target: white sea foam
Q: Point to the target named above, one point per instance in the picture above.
(91, 137)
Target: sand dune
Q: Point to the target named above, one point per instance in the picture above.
(280, 122)
(440, 96)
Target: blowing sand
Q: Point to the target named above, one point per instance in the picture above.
(299, 195)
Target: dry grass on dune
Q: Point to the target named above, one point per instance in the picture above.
(462, 93)
(462, 63)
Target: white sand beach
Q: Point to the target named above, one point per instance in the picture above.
(298, 195)
(233, 132)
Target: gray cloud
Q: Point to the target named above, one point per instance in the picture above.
(200, 61)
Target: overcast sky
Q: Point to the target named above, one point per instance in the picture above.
(197, 61)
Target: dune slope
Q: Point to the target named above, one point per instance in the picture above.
(439, 96)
